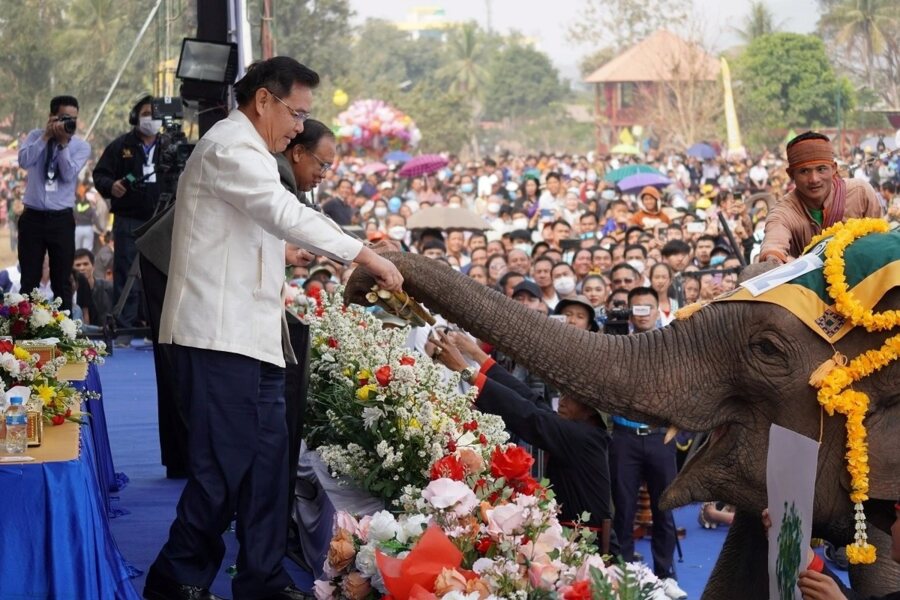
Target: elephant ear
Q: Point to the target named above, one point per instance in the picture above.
(882, 425)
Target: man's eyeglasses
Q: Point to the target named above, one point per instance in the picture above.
(323, 166)
(299, 116)
(621, 281)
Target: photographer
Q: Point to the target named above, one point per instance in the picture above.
(639, 453)
(53, 156)
(126, 176)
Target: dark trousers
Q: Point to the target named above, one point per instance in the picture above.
(47, 232)
(237, 459)
(173, 421)
(633, 459)
(126, 251)
(296, 381)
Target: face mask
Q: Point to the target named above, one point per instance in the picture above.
(716, 260)
(637, 264)
(454, 205)
(526, 248)
(381, 212)
(520, 223)
(467, 188)
(493, 207)
(149, 125)
(565, 285)
(397, 233)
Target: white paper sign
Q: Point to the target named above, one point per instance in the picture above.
(791, 483)
(787, 272)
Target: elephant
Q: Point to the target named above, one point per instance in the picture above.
(731, 369)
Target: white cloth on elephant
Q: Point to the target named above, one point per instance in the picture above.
(317, 498)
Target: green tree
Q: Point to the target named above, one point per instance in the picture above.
(758, 22)
(522, 83)
(445, 124)
(621, 23)
(594, 60)
(784, 80)
(864, 27)
(27, 62)
(466, 54)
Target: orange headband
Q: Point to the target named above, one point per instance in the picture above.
(807, 152)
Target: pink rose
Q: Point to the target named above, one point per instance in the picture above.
(505, 520)
(542, 575)
(324, 590)
(344, 520)
(362, 530)
(584, 571)
(447, 493)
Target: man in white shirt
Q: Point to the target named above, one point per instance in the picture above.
(222, 313)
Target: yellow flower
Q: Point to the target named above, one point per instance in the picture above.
(365, 391)
(60, 317)
(21, 353)
(414, 424)
(364, 375)
(46, 393)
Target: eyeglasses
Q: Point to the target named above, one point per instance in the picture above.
(299, 116)
(620, 281)
(323, 166)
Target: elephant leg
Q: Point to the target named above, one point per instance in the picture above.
(881, 578)
(741, 573)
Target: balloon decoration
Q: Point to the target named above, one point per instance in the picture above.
(374, 125)
(340, 98)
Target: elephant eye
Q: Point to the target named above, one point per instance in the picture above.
(766, 347)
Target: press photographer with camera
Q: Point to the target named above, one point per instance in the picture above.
(126, 175)
(53, 156)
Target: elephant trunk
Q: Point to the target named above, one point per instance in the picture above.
(633, 376)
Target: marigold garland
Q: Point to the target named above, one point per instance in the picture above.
(836, 376)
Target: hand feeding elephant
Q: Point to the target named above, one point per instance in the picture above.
(731, 369)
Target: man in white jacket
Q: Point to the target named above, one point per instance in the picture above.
(222, 312)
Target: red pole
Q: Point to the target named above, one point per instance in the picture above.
(265, 30)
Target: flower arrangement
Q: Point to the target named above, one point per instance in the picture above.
(375, 125)
(382, 414)
(836, 375)
(33, 317)
(470, 521)
(57, 400)
(303, 305)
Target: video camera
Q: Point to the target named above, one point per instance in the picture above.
(174, 146)
(617, 318)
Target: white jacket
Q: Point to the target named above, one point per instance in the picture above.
(227, 265)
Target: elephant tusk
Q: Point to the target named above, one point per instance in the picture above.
(670, 434)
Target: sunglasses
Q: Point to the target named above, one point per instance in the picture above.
(629, 280)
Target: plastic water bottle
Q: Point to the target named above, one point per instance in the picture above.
(16, 425)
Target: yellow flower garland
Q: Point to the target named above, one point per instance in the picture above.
(835, 378)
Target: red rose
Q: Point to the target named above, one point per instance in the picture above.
(58, 419)
(24, 308)
(580, 590)
(332, 343)
(6, 346)
(482, 439)
(13, 311)
(18, 328)
(408, 361)
(484, 545)
(513, 463)
(451, 446)
(383, 375)
(320, 310)
(527, 486)
(470, 426)
(448, 467)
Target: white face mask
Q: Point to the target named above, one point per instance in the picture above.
(526, 248)
(380, 212)
(493, 207)
(637, 264)
(564, 285)
(149, 125)
(397, 233)
(520, 223)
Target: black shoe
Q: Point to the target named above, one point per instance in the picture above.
(291, 592)
(159, 587)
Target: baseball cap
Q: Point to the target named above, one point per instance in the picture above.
(529, 287)
(581, 301)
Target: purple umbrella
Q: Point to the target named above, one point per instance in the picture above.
(702, 151)
(423, 165)
(634, 183)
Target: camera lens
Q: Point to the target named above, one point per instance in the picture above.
(68, 124)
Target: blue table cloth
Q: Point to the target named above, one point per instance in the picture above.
(55, 541)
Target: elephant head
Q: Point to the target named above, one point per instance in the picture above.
(732, 369)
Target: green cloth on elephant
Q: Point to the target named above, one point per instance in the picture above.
(872, 269)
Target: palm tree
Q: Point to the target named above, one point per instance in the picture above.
(466, 58)
(759, 22)
(865, 22)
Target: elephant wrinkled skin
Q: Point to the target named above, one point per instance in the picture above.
(732, 369)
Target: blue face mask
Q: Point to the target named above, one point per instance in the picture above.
(716, 260)
(467, 188)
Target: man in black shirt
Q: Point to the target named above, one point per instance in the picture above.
(126, 176)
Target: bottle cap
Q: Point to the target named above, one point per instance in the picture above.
(15, 400)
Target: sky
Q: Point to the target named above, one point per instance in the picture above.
(548, 21)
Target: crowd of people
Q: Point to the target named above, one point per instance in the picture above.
(555, 232)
